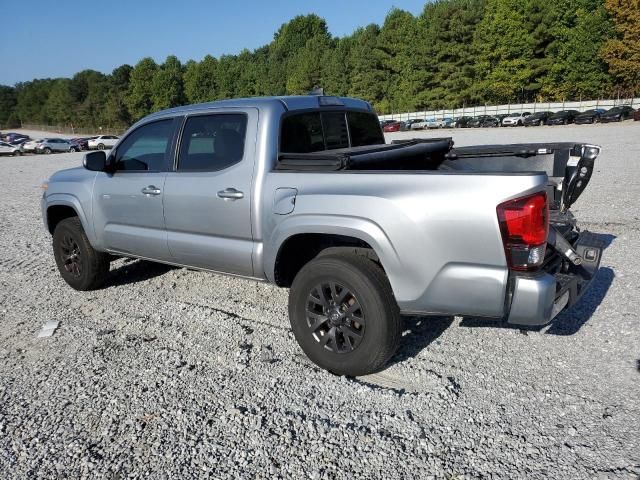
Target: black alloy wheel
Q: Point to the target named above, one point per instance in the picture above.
(79, 264)
(344, 315)
(335, 317)
(71, 256)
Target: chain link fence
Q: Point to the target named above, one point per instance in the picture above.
(582, 105)
(71, 130)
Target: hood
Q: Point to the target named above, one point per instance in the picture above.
(76, 174)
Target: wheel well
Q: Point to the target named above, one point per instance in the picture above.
(299, 249)
(57, 213)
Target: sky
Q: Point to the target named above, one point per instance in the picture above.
(49, 39)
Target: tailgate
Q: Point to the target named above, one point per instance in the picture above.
(568, 165)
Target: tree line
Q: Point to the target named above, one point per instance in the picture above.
(456, 52)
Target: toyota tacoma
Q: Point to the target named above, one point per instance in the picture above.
(303, 192)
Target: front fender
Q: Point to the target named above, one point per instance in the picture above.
(72, 201)
(360, 228)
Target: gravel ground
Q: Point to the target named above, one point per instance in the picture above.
(169, 373)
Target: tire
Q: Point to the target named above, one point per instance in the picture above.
(376, 317)
(101, 146)
(17, 153)
(47, 150)
(82, 267)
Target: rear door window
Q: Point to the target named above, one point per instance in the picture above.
(212, 142)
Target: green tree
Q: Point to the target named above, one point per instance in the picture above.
(139, 98)
(576, 68)
(397, 44)
(167, 87)
(444, 63)
(116, 113)
(622, 52)
(505, 52)
(89, 90)
(200, 80)
(31, 99)
(8, 102)
(365, 66)
(58, 109)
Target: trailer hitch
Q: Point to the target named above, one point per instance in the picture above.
(563, 247)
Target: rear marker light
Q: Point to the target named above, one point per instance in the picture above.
(524, 224)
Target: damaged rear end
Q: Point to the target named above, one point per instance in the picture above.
(551, 260)
(561, 268)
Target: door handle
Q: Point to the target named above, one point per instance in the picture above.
(151, 190)
(230, 194)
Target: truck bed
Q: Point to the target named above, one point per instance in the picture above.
(567, 165)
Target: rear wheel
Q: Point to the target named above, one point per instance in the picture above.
(101, 146)
(82, 267)
(17, 153)
(343, 314)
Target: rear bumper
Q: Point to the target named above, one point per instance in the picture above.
(537, 298)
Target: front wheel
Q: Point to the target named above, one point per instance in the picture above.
(47, 150)
(82, 267)
(101, 146)
(343, 314)
(17, 153)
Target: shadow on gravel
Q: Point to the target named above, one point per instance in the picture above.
(420, 333)
(136, 271)
(572, 320)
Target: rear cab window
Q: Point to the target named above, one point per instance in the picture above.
(317, 131)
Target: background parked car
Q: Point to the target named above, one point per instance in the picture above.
(422, 124)
(590, 116)
(636, 115)
(515, 119)
(8, 149)
(389, 127)
(442, 123)
(537, 119)
(12, 136)
(563, 117)
(386, 122)
(102, 142)
(461, 122)
(50, 145)
(81, 143)
(30, 145)
(409, 123)
(617, 114)
(19, 141)
(484, 121)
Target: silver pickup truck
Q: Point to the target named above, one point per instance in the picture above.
(304, 193)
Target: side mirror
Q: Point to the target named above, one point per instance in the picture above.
(95, 161)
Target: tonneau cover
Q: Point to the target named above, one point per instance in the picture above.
(417, 154)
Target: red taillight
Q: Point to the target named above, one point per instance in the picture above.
(524, 223)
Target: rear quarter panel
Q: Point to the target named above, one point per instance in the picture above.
(436, 233)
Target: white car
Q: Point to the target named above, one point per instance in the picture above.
(515, 120)
(421, 125)
(30, 146)
(8, 149)
(102, 142)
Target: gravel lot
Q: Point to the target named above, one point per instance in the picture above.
(169, 373)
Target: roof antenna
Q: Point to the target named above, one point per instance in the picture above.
(317, 91)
